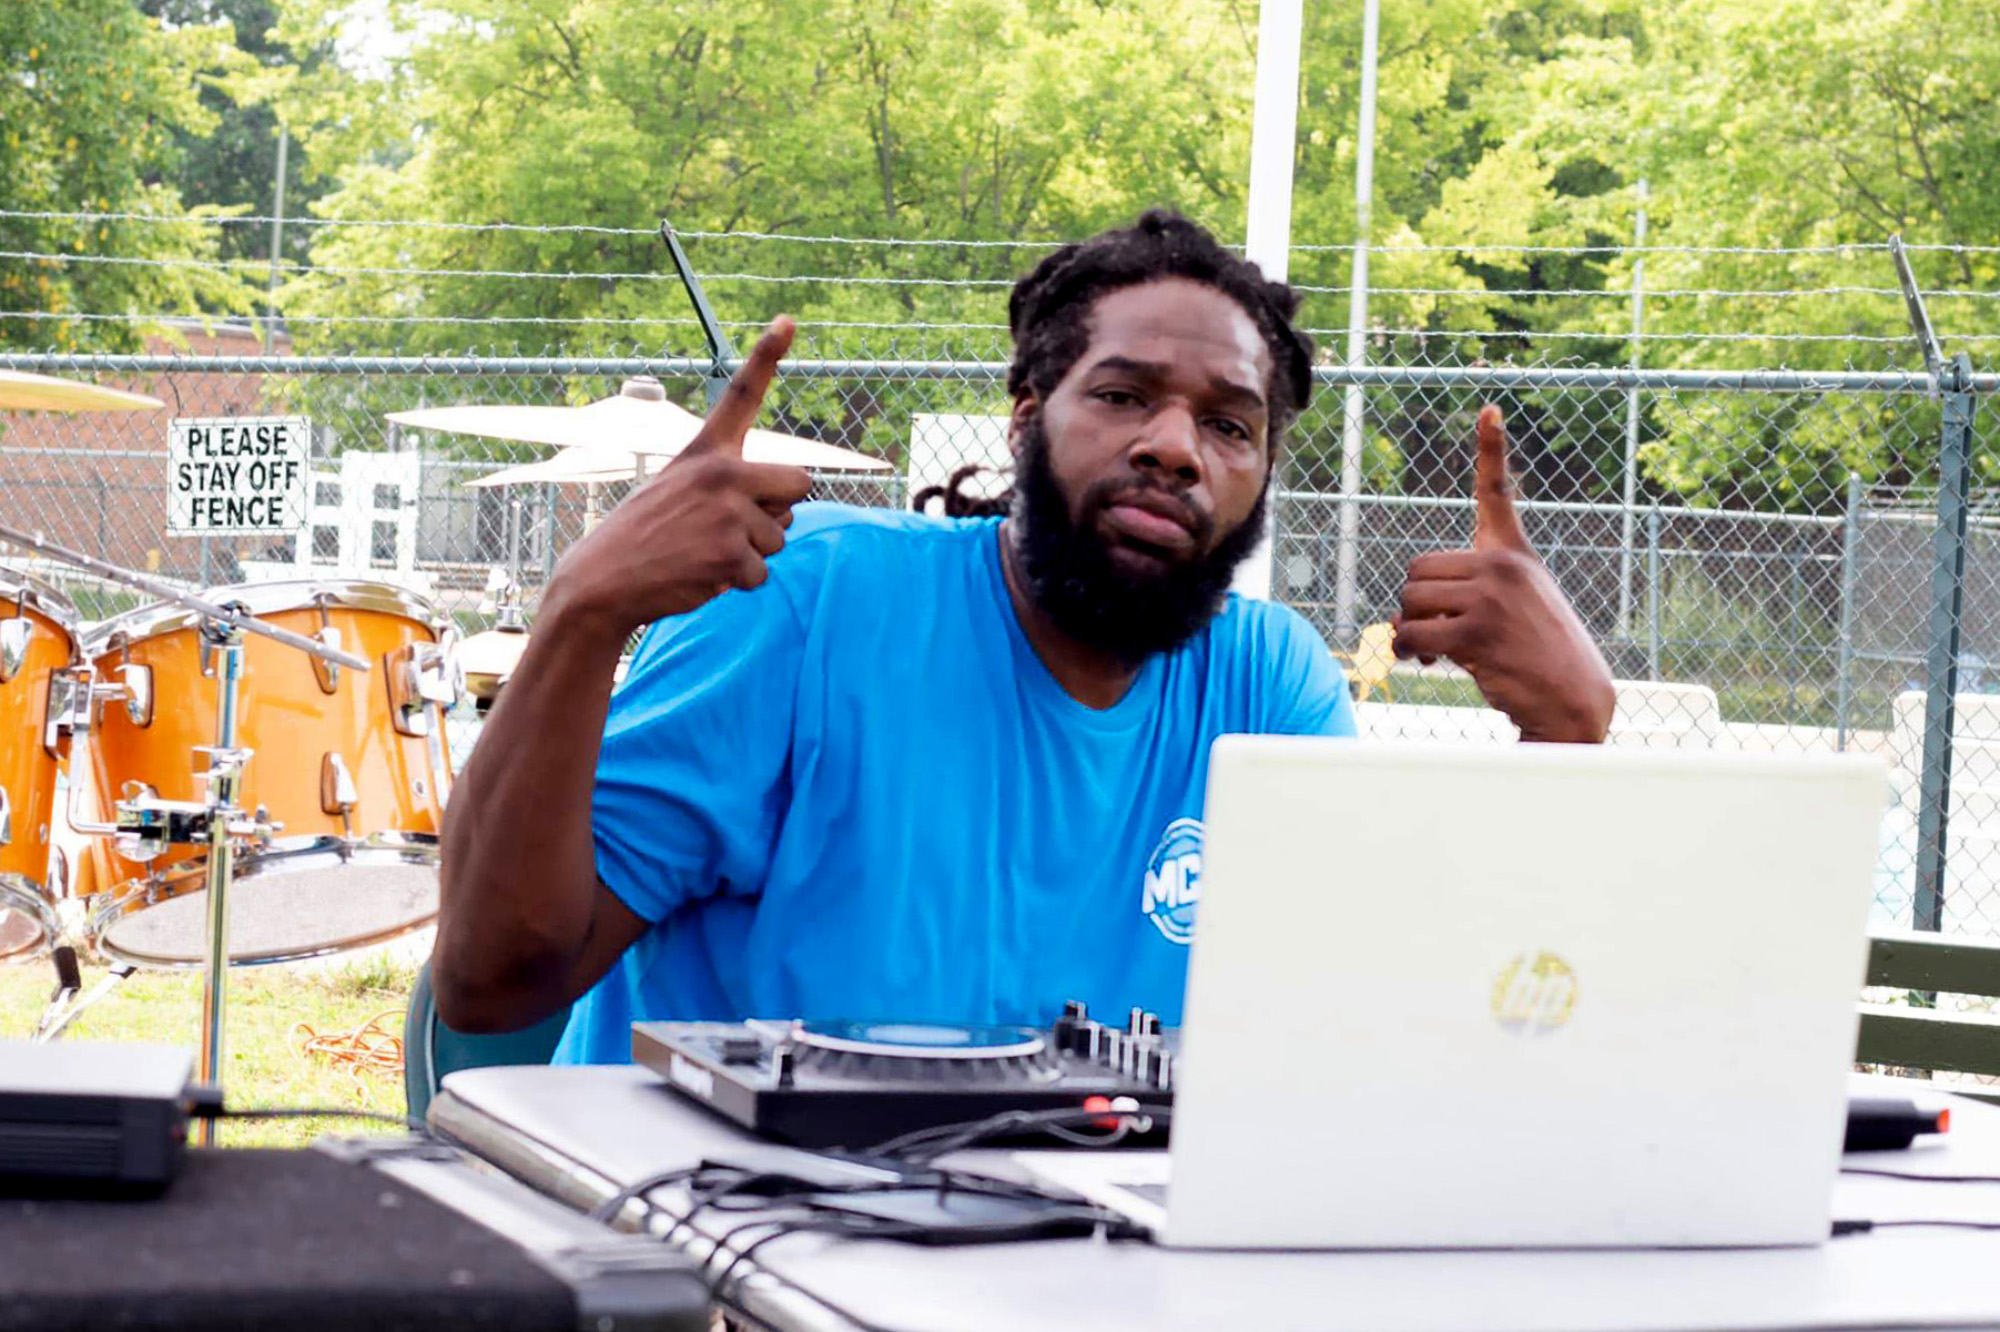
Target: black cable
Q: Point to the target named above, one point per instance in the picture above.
(735, 1305)
(701, 1201)
(722, 1244)
(827, 1217)
(1921, 1179)
(198, 1109)
(607, 1210)
(1841, 1228)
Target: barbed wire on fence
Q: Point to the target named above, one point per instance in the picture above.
(1853, 248)
(260, 266)
(923, 326)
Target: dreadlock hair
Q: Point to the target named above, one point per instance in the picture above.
(957, 504)
(1049, 316)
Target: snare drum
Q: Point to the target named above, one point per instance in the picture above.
(353, 766)
(37, 644)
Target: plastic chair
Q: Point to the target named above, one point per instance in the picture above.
(431, 1049)
(1373, 657)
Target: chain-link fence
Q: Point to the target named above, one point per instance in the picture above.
(1750, 590)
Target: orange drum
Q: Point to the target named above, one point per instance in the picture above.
(352, 765)
(37, 644)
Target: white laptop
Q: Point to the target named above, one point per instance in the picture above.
(1545, 995)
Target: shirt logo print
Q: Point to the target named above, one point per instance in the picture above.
(1173, 881)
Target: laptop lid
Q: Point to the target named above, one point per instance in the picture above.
(1539, 995)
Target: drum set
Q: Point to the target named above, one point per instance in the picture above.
(193, 854)
(256, 774)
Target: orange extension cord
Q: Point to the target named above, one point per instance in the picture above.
(371, 1047)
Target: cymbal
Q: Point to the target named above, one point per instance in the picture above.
(21, 391)
(636, 420)
(489, 658)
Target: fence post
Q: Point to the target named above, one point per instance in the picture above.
(1941, 669)
(1653, 593)
(1850, 559)
(548, 532)
(1631, 478)
(514, 534)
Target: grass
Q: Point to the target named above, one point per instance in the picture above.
(262, 1063)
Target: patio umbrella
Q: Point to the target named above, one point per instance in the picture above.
(573, 467)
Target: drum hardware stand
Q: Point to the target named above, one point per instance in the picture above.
(69, 980)
(225, 774)
(56, 1019)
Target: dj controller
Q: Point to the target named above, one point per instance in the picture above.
(856, 1084)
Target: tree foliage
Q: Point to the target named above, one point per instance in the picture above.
(990, 120)
(1512, 135)
(230, 161)
(92, 94)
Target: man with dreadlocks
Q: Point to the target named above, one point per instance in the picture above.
(870, 763)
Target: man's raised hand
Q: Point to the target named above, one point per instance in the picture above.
(1496, 611)
(704, 525)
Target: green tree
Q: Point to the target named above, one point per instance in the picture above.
(1461, 189)
(91, 95)
(231, 162)
(995, 120)
(1821, 124)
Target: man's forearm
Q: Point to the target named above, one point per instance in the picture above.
(519, 884)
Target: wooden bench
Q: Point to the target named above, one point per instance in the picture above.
(1934, 1039)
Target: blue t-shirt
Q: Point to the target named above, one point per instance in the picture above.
(856, 792)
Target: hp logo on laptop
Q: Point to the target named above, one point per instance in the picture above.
(1534, 993)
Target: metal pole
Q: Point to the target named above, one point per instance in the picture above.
(548, 532)
(225, 771)
(514, 535)
(277, 238)
(1267, 234)
(1941, 668)
(1850, 559)
(1632, 418)
(1348, 552)
(1653, 593)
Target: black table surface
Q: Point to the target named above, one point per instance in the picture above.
(264, 1240)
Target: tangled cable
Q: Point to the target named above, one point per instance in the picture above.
(371, 1047)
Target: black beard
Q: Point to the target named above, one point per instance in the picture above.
(1068, 572)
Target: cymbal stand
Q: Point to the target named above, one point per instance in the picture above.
(69, 982)
(147, 825)
(224, 777)
(67, 1005)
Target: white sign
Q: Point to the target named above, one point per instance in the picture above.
(236, 475)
